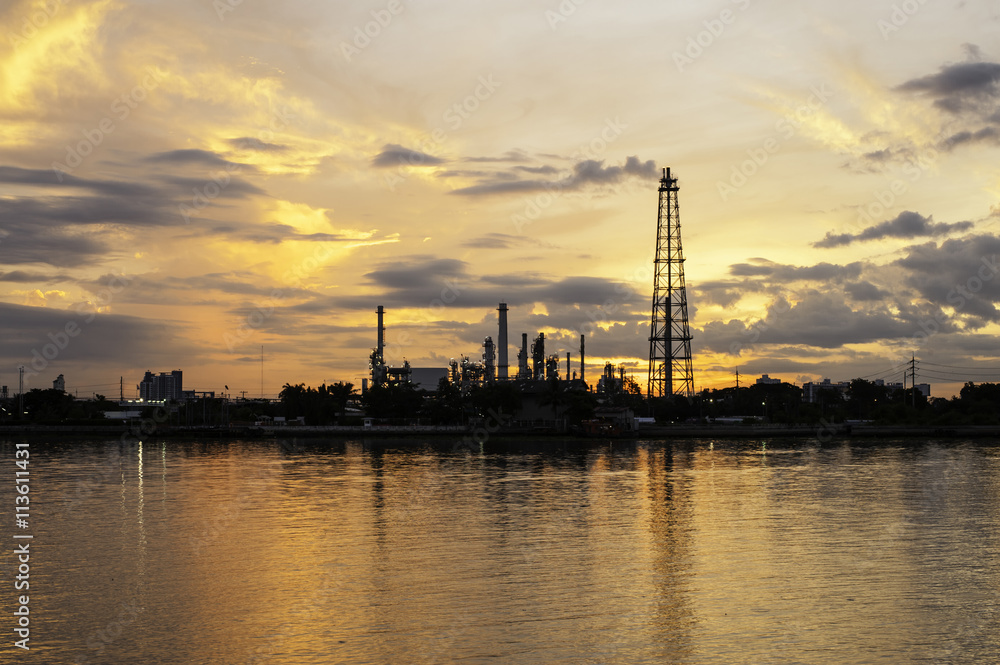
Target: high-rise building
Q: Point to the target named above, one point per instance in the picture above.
(59, 383)
(161, 387)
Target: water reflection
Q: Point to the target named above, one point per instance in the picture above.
(543, 552)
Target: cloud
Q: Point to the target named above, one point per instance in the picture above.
(967, 92)
(585, 172)
(396, 155)
(34, 232)
(494, 241)
(235, 187)
(959, 87)
(252, 143)
(984, 135)
(538, 170)
(57, 179)
(783, 273)
(724, 293)
(112, 340)
(906, 224)
(422, 272)
(593, 171)
(509, 156)
(22, 277)
(819, 319)
(185, 157)
(864, 291)
(959, 273)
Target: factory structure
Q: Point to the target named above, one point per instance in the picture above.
(670, 363)
(534, 365)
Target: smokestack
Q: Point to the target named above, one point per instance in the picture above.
(583, 363)
(381, 333)
(502, 342)
(568, 374)
(522, 358)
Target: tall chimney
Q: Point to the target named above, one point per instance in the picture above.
(502, 343)
(583, 363)
(381, 334)
(568, 374)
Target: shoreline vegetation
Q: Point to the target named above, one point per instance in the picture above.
(658, 432)
(519, 411)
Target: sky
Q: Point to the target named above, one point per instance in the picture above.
(190, 184)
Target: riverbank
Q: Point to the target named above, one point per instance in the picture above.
(821, 433)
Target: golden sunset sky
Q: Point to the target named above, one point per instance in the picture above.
(184, 182)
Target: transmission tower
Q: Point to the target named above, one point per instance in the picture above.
(670, 371)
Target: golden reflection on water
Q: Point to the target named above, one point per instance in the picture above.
(616, 553)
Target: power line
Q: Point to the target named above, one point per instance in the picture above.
(968, 369)
(952, 379)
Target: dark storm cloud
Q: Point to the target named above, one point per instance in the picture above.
(586, 172)
(394, 154)
(906, 224)
(959, 87)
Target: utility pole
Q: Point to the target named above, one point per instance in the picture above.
(736, 396)
(20, 392)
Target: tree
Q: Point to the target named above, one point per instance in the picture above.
(445, 407)
(393, 401)
(554, 394)
(341, 393)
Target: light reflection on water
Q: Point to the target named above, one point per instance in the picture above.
(549, 552)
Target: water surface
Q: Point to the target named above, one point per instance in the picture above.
(544, 552)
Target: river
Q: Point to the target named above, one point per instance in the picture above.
(286, 552)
